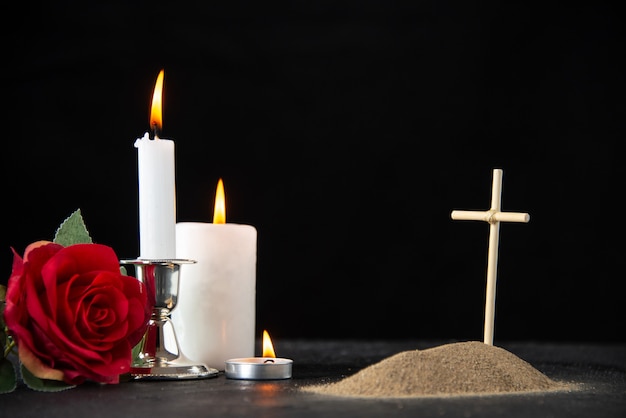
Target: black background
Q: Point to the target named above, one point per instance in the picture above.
(345, 132)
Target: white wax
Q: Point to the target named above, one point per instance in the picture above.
(157, 198)
(215, 315)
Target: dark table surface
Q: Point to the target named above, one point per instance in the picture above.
(599, 370)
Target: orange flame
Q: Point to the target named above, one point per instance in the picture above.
(268, 348)
(156, 111)
(219, 213)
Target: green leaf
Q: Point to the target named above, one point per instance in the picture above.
(8, 378)
(43, 385)
(73, 231)
(3, 340)
(138, 349)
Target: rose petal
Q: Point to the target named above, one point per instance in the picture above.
(36, 367)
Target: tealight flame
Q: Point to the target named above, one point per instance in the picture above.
(219, 213)
(268, 348)
(156, 111)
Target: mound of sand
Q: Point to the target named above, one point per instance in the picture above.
(463, 368)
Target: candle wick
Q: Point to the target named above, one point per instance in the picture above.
(155, 130)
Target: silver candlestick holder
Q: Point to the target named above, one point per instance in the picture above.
(160, 356)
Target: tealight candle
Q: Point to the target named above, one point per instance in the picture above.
(267, 367)
(157, 195)
(215, 316)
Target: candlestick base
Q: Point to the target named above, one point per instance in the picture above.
(171, 371)
(159, 356)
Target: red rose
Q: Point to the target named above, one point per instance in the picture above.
(73, 314)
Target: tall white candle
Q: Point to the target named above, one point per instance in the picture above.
(157, 190)
(215, 315)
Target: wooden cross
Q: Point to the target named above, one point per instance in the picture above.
(493, 217)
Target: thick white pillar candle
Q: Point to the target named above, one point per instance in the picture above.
(215, 315)
(157, 198)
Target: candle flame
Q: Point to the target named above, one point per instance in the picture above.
(268, 348)
(156, 111)
(219, 213)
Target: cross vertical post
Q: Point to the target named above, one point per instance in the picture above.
(493, 216)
